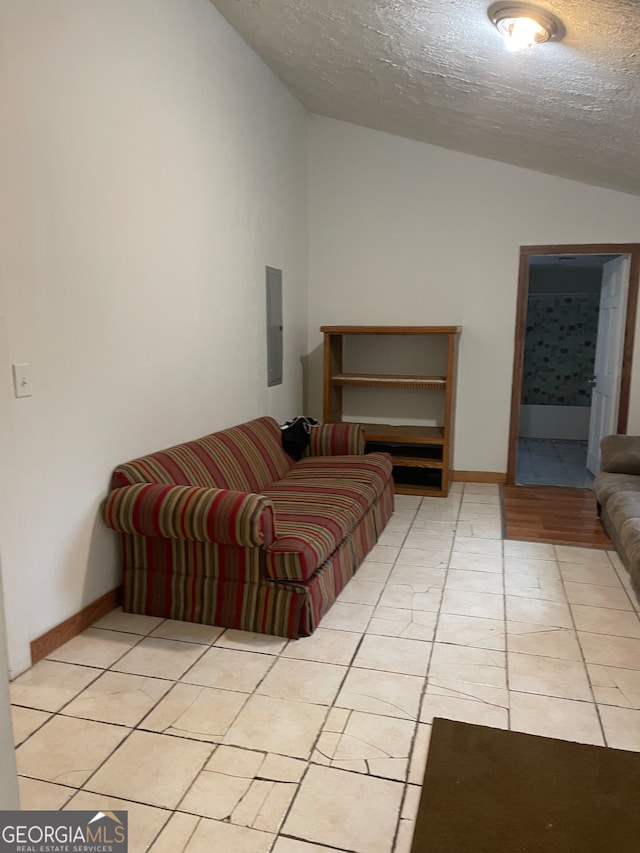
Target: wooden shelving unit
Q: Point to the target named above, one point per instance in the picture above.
(422, 455)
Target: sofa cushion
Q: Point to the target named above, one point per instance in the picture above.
(317, 507)
(373, 469)
(623, 506)
(607, 486)
(246, 458)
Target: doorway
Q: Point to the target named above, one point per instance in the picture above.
(575, 324)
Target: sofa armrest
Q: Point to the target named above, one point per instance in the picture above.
(620, 454)
(191, 512)
(336, 440)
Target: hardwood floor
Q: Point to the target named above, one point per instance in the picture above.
(563, 516)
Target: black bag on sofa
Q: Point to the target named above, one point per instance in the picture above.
(296, 434)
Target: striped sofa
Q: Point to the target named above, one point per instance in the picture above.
(229, 530)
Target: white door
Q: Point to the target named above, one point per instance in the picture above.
(608, 362)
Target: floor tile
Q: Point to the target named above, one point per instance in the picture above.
(150, 768)
(520, 565)
(525, 638)
(213, 835)
(474, 545)
(471, 631)
(387, 693)
(132, 623)
(598, 596)
(418, 761)
(483, 498)
(229, 669)
(583, 556)
(234, 761)
(536, 550)
(374, 572)
(465, 710)
(421, 578)
(25, 721)
(176, 834)
(393, 654)
(95, 647)
(347, 617)
(201, 713)
(325, 646)
(621, 727)
(476, 562)
(36, 795)
(361, 592)
(292, 845)
(251, 642)
(323, 810)
(557, 718)
(468, 664)
(528, 586)
(537, 612)
(476, 530)
(601, 620)
(234, 794)
(370, 744)
(424, 541)
(159, 658)
(49, 685)
(383, 554)
(615, 686)
(402, 622)
(481, 489)
(392, 538)
(610, 651)
(579, 573)
(461, 603)
(118, 698)
(277, 725)
(474, 581)
(187, 632)
(143, 822)
(67, 750)
(407, 502)
(302, 680)
(412, 596)
(564, 679)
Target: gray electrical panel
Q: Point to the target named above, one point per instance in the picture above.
(274, 326)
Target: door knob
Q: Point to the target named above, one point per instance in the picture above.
(593, 380)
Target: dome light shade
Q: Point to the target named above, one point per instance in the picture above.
(523, 25)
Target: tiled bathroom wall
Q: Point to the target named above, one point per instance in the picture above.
(560, 348)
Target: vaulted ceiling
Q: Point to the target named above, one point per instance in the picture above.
(437, 71)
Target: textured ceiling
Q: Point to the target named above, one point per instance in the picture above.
(437, 71)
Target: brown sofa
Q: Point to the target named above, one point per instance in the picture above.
(229, 530)
(617, 489)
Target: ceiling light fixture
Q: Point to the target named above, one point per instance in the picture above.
(523, 25)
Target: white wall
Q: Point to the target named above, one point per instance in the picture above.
(8, 775)
(407, 233)
(151, 167)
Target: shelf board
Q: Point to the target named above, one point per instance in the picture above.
(425, 491)
(391, 330)
(388, 380)
(415, 462)
(404, 434)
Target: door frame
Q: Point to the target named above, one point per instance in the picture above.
(526, 253)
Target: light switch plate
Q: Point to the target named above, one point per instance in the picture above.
(22, 379)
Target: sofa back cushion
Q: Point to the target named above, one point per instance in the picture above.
(246, 457)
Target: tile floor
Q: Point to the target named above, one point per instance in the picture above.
(239, 743)
(551, 462)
